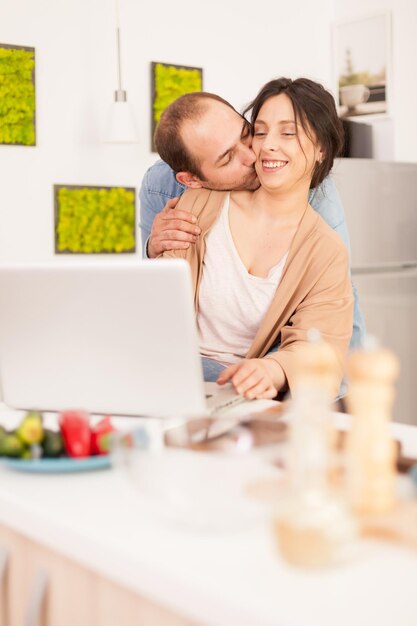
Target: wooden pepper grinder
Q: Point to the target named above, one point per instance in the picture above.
(312, 526)
(317, 367)
(370, 450)
(317, 376)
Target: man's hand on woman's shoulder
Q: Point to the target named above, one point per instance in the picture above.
(172, 229)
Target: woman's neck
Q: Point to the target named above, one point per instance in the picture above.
(273, 204)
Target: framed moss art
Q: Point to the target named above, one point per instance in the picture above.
(17, 95)
(169, 82)
(94, 219)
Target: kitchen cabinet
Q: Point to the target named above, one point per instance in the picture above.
(42, 588)
(117, 605)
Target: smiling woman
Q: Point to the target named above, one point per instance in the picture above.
(266, 267)
(277, 143)
(310, 113)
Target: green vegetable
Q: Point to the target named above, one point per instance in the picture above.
(30, 430)
(53, 444)
(11, 445)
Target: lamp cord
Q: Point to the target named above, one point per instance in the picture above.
(119, 65)
(120, 94)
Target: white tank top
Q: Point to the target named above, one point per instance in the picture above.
(232, 302)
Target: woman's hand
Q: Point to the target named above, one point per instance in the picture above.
(254, 378)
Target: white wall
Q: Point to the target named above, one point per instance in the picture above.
(76, 75)
(403, 96)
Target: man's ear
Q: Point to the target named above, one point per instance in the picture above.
(189, 180)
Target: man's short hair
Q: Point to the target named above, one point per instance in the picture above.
(168, 140)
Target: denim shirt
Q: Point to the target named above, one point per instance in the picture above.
(160, 185)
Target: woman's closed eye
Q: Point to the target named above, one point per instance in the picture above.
(263, 134)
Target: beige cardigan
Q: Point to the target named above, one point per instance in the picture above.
(315, 289)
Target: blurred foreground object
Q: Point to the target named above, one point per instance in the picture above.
(317, 368)
(371, 451)
(313, 526)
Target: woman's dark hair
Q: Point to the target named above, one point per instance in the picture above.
(315, 109)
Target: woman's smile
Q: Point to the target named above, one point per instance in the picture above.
(273, 165)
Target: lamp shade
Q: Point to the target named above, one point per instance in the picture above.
(120, 125)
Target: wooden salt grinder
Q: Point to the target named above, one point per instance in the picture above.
(370, 449)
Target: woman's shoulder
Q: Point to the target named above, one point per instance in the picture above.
(326, 236)
(198, 200)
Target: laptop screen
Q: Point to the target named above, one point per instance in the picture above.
(100, 336)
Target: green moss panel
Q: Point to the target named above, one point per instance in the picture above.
(17, 95)
(94, 219)
(171, 82)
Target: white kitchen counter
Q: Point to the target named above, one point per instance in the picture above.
(220, 578)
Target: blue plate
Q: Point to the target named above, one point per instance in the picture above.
(60, 465)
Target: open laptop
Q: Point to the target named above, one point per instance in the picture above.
(117, 338)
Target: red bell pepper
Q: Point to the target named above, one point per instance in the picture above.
(100, 436)
(76, 432)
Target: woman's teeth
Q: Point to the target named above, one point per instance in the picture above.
(273, 164)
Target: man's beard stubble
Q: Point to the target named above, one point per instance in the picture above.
(250, 184)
